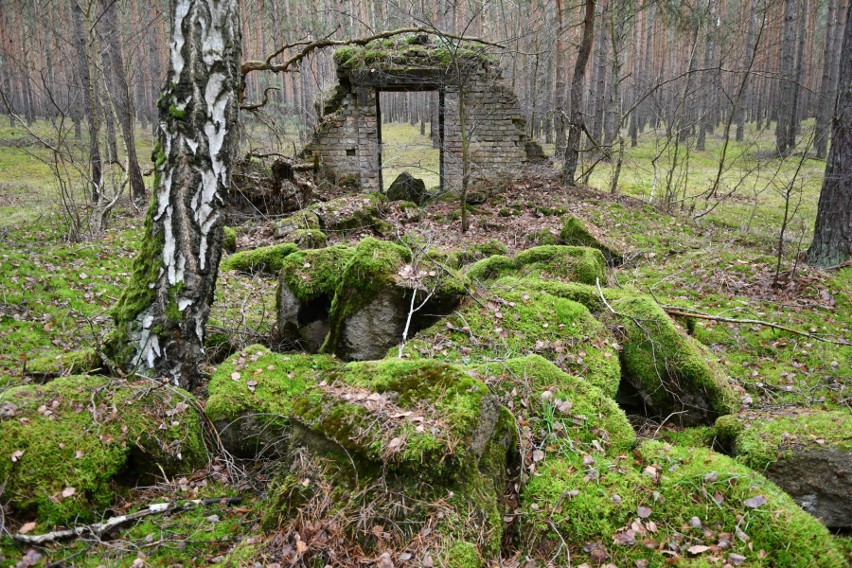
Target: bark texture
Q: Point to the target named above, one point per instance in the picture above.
(161, 317)
(116, 75)
(572, 147)
(832, 244)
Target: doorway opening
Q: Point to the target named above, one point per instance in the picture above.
(410, 136)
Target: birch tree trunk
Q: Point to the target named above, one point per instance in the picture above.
(832, 244)
(161, 316)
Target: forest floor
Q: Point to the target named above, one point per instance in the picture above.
(55, 294)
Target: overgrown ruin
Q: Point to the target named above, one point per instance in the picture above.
(347, 142)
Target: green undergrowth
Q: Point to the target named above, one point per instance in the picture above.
(267, 259)
(55, 296)
(516, 322)
(759, 439)
(197, 536)
(68, 442)
(667, 503)
(553, 262)
(313, 273)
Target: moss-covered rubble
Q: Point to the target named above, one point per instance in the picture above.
(67, 446)
(571, 264)
(517, 322)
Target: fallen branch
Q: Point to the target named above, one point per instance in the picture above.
(673, 311)
(99, 529)
(307, 47)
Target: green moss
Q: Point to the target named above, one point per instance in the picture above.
(598, 501)
(229, 241)
(372, 267)
(277, 379)
(519, 322)
(539, 391)
(172, 309)
(264, 259)
(539, 238)
(139, 293)
(674, 371)
(759, 439)
(463, 555)
(83, 432)
(696, 437)
(309, 238)
(310, 274)
(578, 264)
(574, 232)
(53, 363)
(176, 112)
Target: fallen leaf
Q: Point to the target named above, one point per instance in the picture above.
(27, 527)
(537, 455)
(643, 512)
(711, 477)
(697, 549)
(736, 559)
(16, 455)
(394, 444)
(755, 502)
(235, 376)
(68, 492)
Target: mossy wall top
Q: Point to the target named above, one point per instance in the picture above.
(346, 139)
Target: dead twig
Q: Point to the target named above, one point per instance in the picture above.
(673, 311)
(99, 529)
(307, 47)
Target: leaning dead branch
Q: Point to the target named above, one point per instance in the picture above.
(309, 46)
(673, 311)
(100, 529)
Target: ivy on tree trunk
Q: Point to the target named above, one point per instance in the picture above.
(161, 316)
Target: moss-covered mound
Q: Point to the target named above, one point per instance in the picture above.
(516, 322)
(578, 233)
(805, 451)
(577, 264)
(309, 239)
(374, 298)
(303, 220)
(251, 394)
(667, 504)
(306, 288)
(264, 259)
(66, 444)
(415, 443)
(350, 214)
(54, 363)
(566, 413)
(674, 374)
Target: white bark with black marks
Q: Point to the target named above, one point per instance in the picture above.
(165, 325)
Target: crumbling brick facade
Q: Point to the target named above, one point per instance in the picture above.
(346, 142)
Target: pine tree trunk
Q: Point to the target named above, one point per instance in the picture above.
(572, 146)
(828, 86)
(161, 316)
(788, 61)
(832, 244)
(88, 99)
(117, 81)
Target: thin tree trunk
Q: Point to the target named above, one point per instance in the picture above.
(788, 62)
(559, 122)
(117, 81)
(572, 147)
(88, 99)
